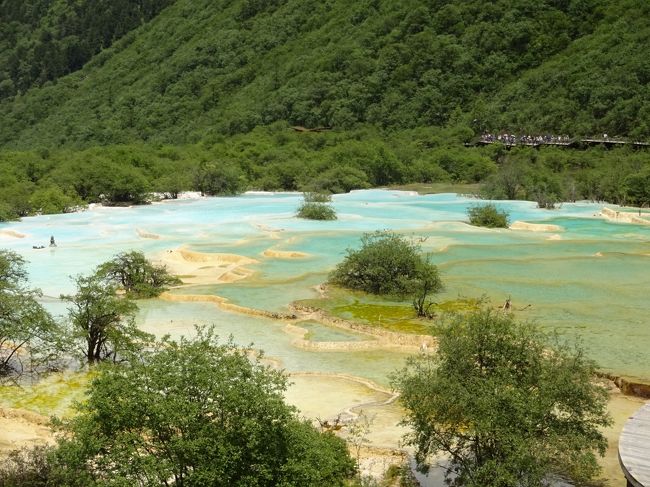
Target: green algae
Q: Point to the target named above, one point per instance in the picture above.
(397, 316)
(54, 395)
(460, 305)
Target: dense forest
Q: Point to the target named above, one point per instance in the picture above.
(105, 101)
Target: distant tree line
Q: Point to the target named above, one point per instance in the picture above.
(275, 158)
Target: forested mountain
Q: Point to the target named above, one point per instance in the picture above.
(42, 40)
(109, 100)
(200, 69)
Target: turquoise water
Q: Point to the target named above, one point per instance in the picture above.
(175, 319)
(320, 333)
(589, 280)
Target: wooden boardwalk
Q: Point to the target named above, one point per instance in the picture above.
(575, 143)
(634, 448)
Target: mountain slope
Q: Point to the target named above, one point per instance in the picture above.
(200, 70)
(43, 40)
(599, 84)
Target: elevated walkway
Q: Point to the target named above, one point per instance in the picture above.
(516, 141)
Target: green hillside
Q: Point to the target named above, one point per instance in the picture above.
(598, 84)
(107, 101)
(200, 69)
(42, 40)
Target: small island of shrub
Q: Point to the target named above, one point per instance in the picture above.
(316, 206)
(391, 265)
(488, 215)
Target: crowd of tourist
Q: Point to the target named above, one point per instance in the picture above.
(513, 139)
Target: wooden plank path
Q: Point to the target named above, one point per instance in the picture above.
(564, 143)
(634, 448)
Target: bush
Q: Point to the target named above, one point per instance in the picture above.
(195, 412)
(341, 179)
(215, 179)
(138, 277)
(316, 197)
(508, 404)
(316, 207)
(386, 264)
(487, 215)
(316, 211)
(27, 467)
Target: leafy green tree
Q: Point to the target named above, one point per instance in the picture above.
(341, 179)
(386, 264)
(507, 404)
(194, 413)
(316, 206)
(15, 199)
(103, 322)
(53, 199)
(123, 184)
(137, 276)
(7, 212)
(429, 283)
(28, 334)
(638, 188)
(487, 215)
(219, 179)
(509, 182)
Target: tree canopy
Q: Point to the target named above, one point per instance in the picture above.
(103, 323)
(184, 95)
(179, 71)
(386, 264)
(137, 276)
(506, 404)
(316, 206)
(195, 412)
(29, 336)
(487, 215)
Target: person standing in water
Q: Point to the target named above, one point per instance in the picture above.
(52, 242)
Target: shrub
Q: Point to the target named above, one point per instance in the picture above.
(487, 215)
(215, 179)
(386, 264)
(316, 211)
(195, 412)
(316, 207)
(508, 404)
(138, 277)
(27, 467)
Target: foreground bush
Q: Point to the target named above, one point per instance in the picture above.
(507, 404)
(487, 215)
(194, 413)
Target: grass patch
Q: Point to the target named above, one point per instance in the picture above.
(396, 317)
(390, 315)
(54, 394)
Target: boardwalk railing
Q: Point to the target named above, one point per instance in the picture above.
(511, 140)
